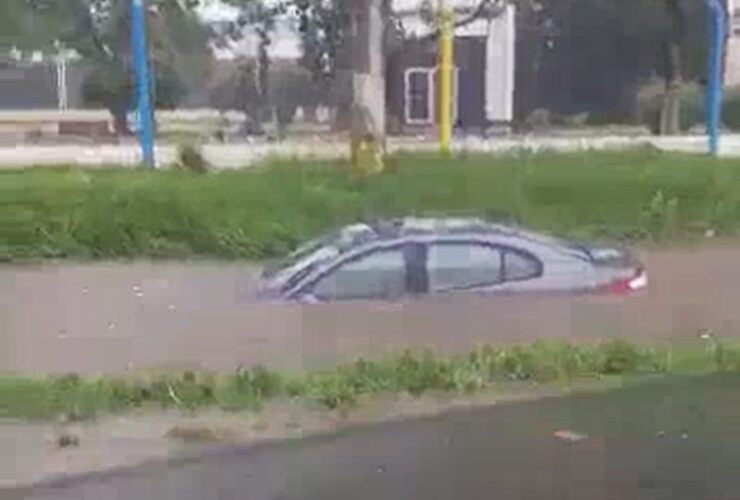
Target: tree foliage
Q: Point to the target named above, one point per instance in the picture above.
(98, 31)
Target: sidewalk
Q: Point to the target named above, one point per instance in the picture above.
(238, 155)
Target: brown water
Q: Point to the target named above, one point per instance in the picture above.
(117, 317)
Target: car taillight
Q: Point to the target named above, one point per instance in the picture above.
(637, 281)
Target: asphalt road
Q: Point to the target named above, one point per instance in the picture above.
(676, 441)
(116, 317)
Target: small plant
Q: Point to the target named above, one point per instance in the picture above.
(618, 357)
(660, 217)
(75, 398)
(190, 158)
(418, 374)
(333, 391)
(721, 217)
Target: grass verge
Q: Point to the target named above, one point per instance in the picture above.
(414, 373)
(259, 213)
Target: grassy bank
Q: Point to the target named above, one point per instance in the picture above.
(412, 373)
(87, 214)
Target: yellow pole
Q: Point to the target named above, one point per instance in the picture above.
(446, 52)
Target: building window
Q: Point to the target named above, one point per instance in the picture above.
(420, 96)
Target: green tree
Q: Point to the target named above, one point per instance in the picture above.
(28, 25)
(259, 17)
(99, 31)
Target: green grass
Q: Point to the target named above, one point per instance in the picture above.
(84, 214)
(412, 373)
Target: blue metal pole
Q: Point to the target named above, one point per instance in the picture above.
(713, 104)
(143, 86)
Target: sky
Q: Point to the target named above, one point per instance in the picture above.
(286, 43)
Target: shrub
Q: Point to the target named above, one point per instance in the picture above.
(619, 356)
(650, 101)
(190, 158)
(660, 217)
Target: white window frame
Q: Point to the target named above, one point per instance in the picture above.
(432, 79)
(429, 71)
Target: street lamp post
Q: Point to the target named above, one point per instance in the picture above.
(446, 54)
(145, 128)
(713, 103)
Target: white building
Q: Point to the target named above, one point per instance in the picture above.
(485, 63)
(732, 62)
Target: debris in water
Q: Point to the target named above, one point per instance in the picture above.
(570, 436)
(171, 308)
(705, 334)
(85, 290)
(111, 325)
(68, 440)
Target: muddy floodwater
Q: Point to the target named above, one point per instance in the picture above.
(93, 318)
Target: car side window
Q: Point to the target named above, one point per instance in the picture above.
(463, 265)
(377, 275)
(519, 266)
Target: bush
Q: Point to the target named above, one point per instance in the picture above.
(650, 101)
(190, 158)
(660, 217)
(619, 356)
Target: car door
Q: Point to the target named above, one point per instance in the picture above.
(380, 273)
(478, 265)
(463, 265)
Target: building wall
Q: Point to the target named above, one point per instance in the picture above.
(27, 86)
(470, 62)
(732, 63)
(484, 58)
(33, 86)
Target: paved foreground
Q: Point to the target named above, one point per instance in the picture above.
(676, 441)
(117, 317)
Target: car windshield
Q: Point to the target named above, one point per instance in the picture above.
(302, 252)
(323, 247)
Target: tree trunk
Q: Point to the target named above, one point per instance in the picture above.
(119, 112)
(670, 123)
(367, 113)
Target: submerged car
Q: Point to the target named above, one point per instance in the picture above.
(392, 259)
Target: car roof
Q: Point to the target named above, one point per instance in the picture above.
(447, 226)
(355, 236)
(359, 236)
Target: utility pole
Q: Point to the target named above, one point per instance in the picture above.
(445, 67)
(713, 105)
(145, 127)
